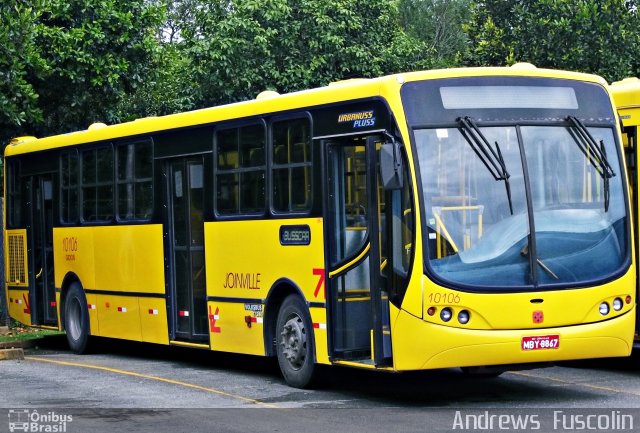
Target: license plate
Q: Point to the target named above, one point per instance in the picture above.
(539, 342)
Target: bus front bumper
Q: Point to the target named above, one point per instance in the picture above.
(420, 345)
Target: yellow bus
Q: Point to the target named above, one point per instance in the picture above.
(626, 95)
(469, 218)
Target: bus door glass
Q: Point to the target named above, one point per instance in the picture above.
(187, 295)
(44, 295)
(358, 306)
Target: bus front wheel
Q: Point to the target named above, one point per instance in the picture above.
(76, 319)
(294, 343)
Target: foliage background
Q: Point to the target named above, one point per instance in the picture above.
(65, 64)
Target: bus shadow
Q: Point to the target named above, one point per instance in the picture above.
(629, 364)
(355, 388)
(148, 351)
(448, 388)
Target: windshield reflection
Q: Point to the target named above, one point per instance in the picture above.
(478, 234)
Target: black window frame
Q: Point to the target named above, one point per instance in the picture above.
(96, 184)
(69, 222)
(14, 202)
(239, 169)
(118, 147)
(272, 166)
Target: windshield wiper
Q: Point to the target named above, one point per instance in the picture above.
(492, 159)
(524, 252)
(595, 154)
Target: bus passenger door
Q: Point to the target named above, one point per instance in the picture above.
(358, 305)
(43, 298)
(187, 299)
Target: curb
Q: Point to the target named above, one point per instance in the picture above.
(7, 354)
(24, 344)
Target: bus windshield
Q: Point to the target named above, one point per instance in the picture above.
(512, 204)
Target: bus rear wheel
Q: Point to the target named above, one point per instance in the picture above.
(294, 343)
(76, 319)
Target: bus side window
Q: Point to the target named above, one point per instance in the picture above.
(240, 170)
(291, 169)
(14, 198)
(69, 187)
(134, 178)
(97, 184)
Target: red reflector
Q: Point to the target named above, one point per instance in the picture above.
(628, 299)
(538, 316)
(431, 311)
(53, 303)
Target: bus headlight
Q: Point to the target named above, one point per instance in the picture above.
(463, 317)
(617, 304)
(604, 308)
(445, 314)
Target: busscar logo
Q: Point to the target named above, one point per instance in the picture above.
(25, 420)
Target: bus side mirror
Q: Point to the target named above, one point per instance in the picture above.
(391, 166)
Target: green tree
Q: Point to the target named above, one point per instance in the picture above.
(67, 63)
(20, 59)
(239, 48)
(169, 85)
(439, 24)
(97, 52)
(596, 36)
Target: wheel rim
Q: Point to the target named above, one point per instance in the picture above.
(293, 342)
(74, 319)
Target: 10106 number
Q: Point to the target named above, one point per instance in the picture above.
(444, 298)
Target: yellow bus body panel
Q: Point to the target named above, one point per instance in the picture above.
(232, 333)
(126, 260)
(319, 318)
(153, 320)
(18, 302)
(515, 310)
(626, 94)
(16, 266)
(421, 345)
(119, 316)
(115, 258)
(244, 260)
(92, 303)
(77, 258)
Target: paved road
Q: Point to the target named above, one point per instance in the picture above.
(135, 387)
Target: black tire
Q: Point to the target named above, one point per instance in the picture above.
(295, 344)
(76, 319)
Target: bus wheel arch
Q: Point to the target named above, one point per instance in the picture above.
(289, 334)
(75, 314)
(277, 294)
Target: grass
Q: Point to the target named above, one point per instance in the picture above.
(23, 333)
